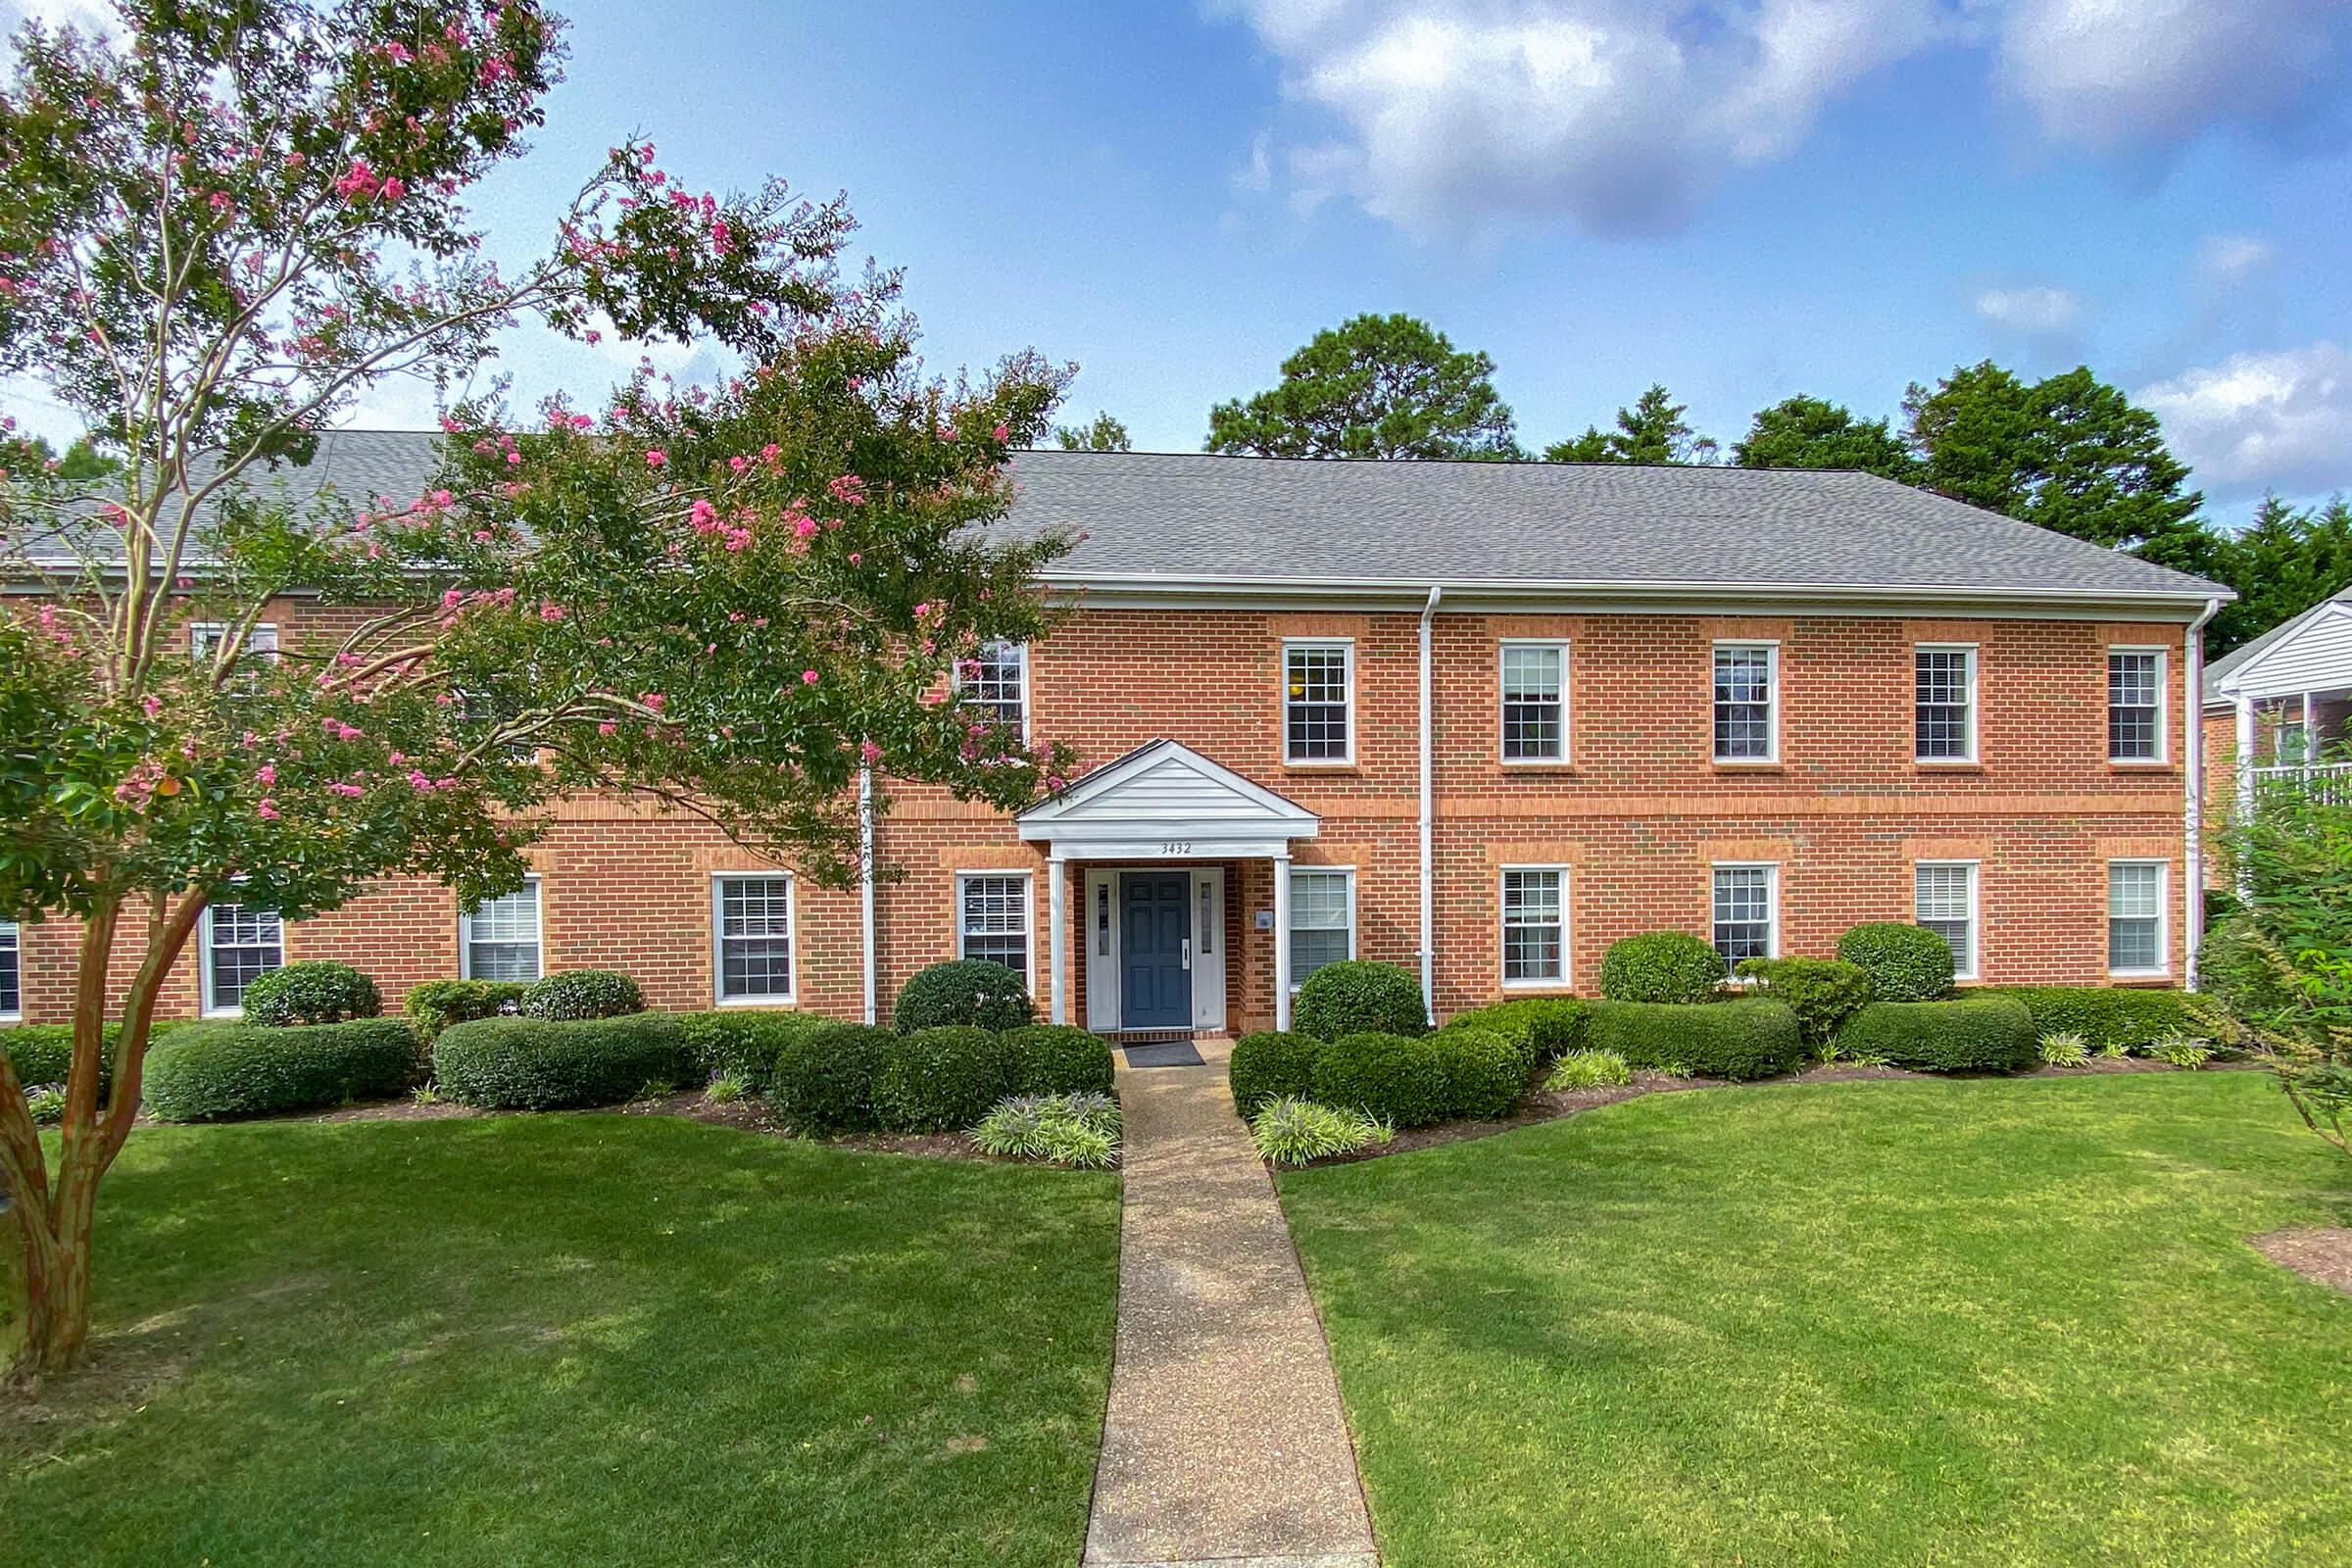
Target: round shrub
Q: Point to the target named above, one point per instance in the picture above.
(967, 993)
(1352, 998)
(1391, 1078)
(740, 1044)
(1905, 963)
(824, 1076)
(555, 1064)
(1485, 1076)
(437, 1004)
(943, 1079)
(571, 995)
(1539, 1028)
(1059, 1058)
(1752, 1038)
(1661, 966)
(1823, 993)
(211, 1071)
(1968, 1034)
(1272, 1067)
(315, 992)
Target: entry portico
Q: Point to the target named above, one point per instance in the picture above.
(1151, 833)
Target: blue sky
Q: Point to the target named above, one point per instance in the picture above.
(1742, 200)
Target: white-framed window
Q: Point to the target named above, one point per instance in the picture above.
(261, 648)
(1943, 899)
(1747, 903)
(1318, 701)
(1535, 925)
(2136, 940)
(499, 938)
(2135, 704)
(12, 972)
(1534, 700)
(1943, 711)
(996, 680)
(241, 944)
(1748, 702)
(1322, 919)
(751, 931)
(992, 919)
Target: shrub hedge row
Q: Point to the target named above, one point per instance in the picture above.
(852, 1077)
(556, 1064)
(2124, 1015)
(1753, 1037)
(1541, 1029)
(1823, 993)
(1270, 1066)
(1462, 1071)
(437, 1004)
(209, 1071)
(742, 1042)
(1966, 1034)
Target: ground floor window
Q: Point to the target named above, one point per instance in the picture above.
(752, 918)
(1535, 925)
(1322, 920)
(993, 919)
(1745, 912)
(2136, 917)
(499, 938)
(240, 946)
(1943, 899)
(11, 995)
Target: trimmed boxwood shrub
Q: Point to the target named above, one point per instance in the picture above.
(824, 1076)
(554, 1064)
(943, 1079)
(2124, 1015)
(1966, 1034)
(320, 991)
(1540, 1029)
(1352, 998)
(1392, 1078)
(1661, 966)
(1754, 1037)
(1272, 1067)
(1905, 963)
(571, 995)
(43, 1053)
(211, 1071)
(742, 1042)
(1485, 1076)
(1059, 1058)
(1823, 993)
(966, 993)
(437, 1004)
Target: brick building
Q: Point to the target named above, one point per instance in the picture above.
(1476, 720)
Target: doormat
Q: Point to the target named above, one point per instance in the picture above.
(1165, 1054)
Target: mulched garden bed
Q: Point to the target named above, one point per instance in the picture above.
(747, 1114)
(2322, 1252)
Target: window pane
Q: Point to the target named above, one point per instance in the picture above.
(1743, 702)
(2135, 916)
(1534, 706)
(1315, 703)
(995, 920)
(991, 680)
(1942, 679)
(1742, 912)
(754, 936)
(1534, 926)
(501, 937)
(245, 945)
(12, 998)
(1319, 930)
(2133, 702)
(1941, 903)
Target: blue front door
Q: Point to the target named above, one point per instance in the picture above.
(1156, 972)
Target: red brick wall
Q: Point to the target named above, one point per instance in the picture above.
(1637, 812)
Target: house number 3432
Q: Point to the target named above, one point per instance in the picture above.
(1176, 847)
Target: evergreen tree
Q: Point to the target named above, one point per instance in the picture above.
(1375, 386)
(1809, 432)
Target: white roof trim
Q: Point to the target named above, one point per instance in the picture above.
(2238, 682)
(1165, 799)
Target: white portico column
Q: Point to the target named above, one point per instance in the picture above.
(1057, 900)
(1282, 942)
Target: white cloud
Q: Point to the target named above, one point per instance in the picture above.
(2125, 74)
(90, 16)
(1257, 174)
(2039, 311)
(2225, 261)
(2273, 420)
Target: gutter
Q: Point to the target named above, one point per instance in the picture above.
(1429, 812)
(865, 886)
(2193, 758)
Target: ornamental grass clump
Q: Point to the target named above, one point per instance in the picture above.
(1290, 1131)
(2182, 1052)
(2064, 1048)
(1589, 1069)
(1080, 1131)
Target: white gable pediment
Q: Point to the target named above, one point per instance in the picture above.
(2314, 654)
(1166, 794)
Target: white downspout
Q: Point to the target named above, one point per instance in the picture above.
(865, 886)
(1429, 813)
(2193, 758)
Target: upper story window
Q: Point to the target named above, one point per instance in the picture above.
(2135, 903)
(1534, 702)
(752, 921)
(12, 994)
(995, 679)
(1943, 899)
(1747, 912)
(1318, 701)
(1535, 925)
(240, 946)
(993, 918)
(499, 938)
(2135, 704)
(1746, 694)
(1943, 720)
(1322, 920)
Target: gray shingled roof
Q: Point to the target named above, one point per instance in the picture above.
(2228, 663)
(1192, 515)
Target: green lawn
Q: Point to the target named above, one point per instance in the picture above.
(1875, 1323)
(572, 1340)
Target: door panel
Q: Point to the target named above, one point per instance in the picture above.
(1155, 990)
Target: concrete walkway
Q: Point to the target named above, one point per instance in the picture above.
(1224, 1442)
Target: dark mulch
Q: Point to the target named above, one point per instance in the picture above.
(749, 1114)
(2322, 1252)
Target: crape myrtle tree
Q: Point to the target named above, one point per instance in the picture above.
(219, 226)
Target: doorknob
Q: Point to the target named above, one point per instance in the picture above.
(1188, 952)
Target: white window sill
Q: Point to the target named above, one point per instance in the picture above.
(222, 1013)
(757, 1001)
(2140, 974)
(1561, 984)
